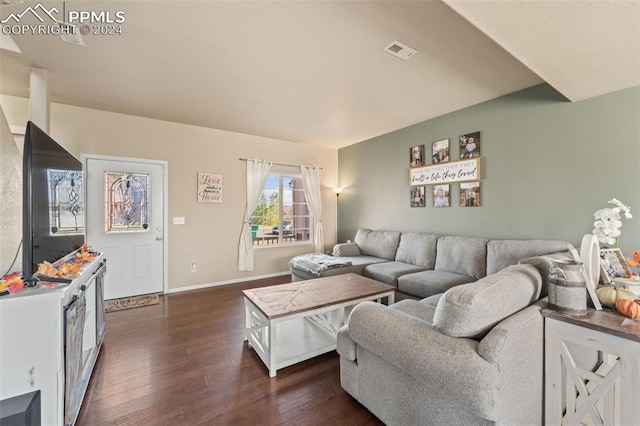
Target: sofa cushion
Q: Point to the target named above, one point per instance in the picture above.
(427, 283)
(416, 309)
(388, 272)
(503, 253)
(462, 255)
(432, 300)
(383, 244)
(346, 249)
(471, 310)
(417, 249)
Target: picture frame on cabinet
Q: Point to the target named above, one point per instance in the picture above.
(613, 265)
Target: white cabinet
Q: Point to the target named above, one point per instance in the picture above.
(39, 348)
(610, 394)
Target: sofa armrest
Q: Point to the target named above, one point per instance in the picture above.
(346, 250)
(510, 334)
(447, 364)
(515, 347)
(345, 346)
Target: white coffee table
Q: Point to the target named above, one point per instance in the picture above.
(289, 323)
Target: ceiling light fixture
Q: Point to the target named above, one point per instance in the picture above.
(68, 32)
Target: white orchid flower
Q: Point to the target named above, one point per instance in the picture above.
(607, 225)
(607, 214)
(622, 207)
(616, 232)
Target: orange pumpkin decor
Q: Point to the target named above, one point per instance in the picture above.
(629, 308)
(634, 262)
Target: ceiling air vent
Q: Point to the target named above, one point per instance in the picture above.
(400, 50)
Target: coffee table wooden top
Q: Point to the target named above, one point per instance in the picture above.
(287, 299)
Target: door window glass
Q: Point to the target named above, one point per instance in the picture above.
(126, 204)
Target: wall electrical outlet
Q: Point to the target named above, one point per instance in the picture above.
(178, 220)
(194, 267)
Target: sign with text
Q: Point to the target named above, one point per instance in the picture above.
(452, 171)
(209, 188)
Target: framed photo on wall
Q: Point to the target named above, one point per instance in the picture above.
(440, 151)
(416, 156)
(470, 194)
(417, 196)
(613, 265)
(441, 195)
(470, 145)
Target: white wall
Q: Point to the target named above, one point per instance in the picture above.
(211, 233)
(11, 201)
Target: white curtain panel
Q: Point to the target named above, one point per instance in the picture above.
(257, 171)
(311, 182)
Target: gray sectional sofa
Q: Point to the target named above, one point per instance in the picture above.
(465, 345)
(471, 356)
(422, 264)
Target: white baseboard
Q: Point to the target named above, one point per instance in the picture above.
(227, 282)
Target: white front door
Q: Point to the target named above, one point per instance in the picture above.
(125, 203)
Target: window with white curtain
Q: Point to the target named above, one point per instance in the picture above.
(282, 215)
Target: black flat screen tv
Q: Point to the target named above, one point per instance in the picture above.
(52, 202)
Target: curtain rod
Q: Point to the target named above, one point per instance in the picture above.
(278, 164)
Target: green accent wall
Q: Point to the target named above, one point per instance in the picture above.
(546, 165)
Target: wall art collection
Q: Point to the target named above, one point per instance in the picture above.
(441, 172)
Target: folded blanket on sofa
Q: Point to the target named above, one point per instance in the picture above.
(316, 263)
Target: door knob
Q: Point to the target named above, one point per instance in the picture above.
(158, 238)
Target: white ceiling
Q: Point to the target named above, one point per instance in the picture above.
(315, 72)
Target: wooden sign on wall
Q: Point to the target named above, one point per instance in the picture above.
(209, 188)
(453, 171)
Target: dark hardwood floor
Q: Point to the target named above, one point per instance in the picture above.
(184, 362)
